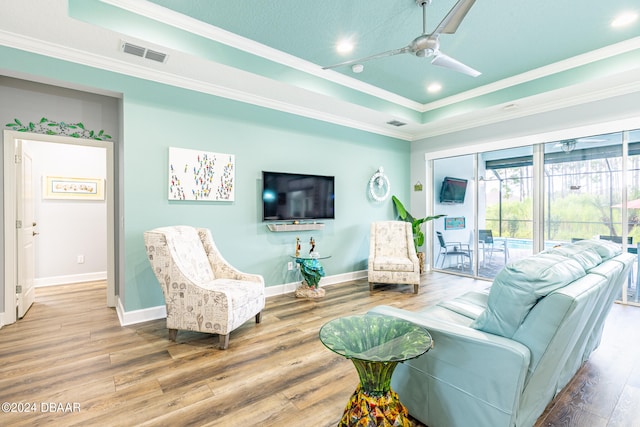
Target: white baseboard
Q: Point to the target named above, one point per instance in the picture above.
(1, 320)
(286, 288)
(69, 279)
(160, 312)
(139, 316)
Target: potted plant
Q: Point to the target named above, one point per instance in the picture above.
(416, 226)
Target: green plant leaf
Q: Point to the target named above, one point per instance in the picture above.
(80, 125)
(418, 235)
(402, 212)
(44, 119)
(18, 122)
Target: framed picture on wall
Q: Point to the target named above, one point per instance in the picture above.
(454, 223)
(201, 175)
(58, 187)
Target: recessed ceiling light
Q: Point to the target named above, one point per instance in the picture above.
(344, 46)
(624, 19)
(434, 87)
(357, 68)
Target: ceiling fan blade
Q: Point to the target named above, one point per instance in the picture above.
(450, 23)
(442, 60)
(368, 58)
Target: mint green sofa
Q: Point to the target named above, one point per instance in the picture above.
(501, 355)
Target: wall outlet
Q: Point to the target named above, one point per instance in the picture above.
(80, 259)
(290, 265)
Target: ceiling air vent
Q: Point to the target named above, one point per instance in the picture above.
(155, 56)
(143, 52)
(396, 123)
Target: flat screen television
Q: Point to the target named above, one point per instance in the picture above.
(292, 196)
(453, 190)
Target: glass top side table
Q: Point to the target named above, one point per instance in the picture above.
(375, 344)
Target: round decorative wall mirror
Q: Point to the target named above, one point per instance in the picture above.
(379, 186)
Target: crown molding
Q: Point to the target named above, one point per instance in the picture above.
(548, 70)
(186, 23)
(625, 83)
(211, 32)
(77, 56)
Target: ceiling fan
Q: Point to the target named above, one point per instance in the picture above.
(428, 45)
(568, 145)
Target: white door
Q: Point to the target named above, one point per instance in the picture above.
(25, 292)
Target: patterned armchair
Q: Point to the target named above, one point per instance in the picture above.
(392, 254)
(201, 290)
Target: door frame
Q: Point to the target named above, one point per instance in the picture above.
(10, 199)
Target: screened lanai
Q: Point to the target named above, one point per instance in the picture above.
(589, 187)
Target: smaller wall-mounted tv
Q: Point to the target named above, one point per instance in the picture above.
(453, 190)
(291, 196)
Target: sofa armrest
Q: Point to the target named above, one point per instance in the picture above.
(481, 372)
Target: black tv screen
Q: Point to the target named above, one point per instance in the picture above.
(453, 190)
(290, 196)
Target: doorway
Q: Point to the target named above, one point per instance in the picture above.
(12, 199)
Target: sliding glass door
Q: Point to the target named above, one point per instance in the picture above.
(505, 208)
(524, 199)
(454, 197)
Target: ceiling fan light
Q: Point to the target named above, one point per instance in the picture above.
(568, 146)
(425, 53)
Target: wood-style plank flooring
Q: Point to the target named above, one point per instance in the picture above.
(71, 363)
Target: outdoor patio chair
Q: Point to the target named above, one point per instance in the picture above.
(460, 251)
(489, 246)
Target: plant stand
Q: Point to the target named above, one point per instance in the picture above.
(421, 259)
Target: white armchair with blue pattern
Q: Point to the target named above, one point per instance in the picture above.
(392, 254)
(202, 291)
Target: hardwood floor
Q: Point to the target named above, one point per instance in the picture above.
(70, 363)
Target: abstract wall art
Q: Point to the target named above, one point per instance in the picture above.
(201, 175)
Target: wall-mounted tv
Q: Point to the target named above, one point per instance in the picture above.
(291, 196)
(453, 190)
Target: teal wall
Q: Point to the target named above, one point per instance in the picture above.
(156, 117)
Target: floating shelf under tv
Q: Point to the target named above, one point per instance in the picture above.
(295, 227)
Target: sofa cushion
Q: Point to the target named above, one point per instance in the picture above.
(605, 248)
(472, 304)
(519, 286)
(392, 264)
(587, 256)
